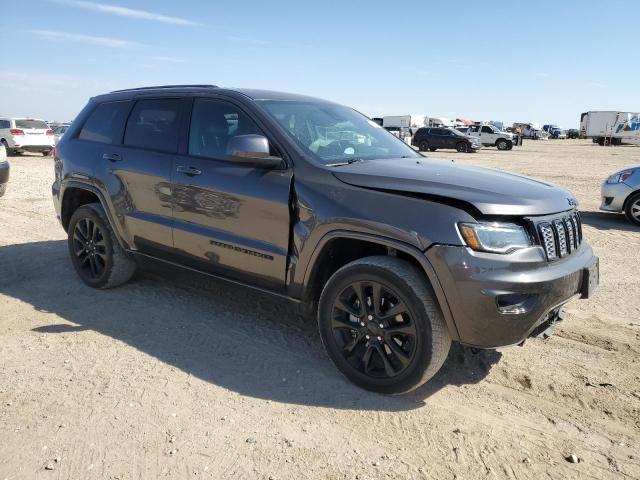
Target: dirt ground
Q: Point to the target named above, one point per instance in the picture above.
(180, 376)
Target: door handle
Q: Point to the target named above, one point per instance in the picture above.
(191, 171)
(112, 157)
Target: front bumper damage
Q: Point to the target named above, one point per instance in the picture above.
(499, 300)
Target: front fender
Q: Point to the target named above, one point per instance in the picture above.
(302, 276)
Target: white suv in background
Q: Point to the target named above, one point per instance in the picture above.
(26, 135)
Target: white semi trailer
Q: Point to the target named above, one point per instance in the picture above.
(601, 125)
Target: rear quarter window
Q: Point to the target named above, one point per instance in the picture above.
(106, 123)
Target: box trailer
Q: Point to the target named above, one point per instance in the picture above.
(600, 125)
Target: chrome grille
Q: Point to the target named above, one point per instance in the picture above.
(571, 233)
(548, 240)
(560, 236)
(558, 226)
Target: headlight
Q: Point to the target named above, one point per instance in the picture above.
(494, 237)
(620, 176)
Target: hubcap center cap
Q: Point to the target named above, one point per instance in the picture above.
(374, 328)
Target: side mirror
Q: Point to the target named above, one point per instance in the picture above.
(251, 150)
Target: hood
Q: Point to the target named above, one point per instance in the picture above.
(492, 192)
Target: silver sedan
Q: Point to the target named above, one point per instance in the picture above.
(621, 193)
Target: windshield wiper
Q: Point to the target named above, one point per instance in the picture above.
(348, 162)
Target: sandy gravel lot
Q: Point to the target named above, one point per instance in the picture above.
(179, 376)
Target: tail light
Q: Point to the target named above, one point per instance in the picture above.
(16, 131)
(49, 132)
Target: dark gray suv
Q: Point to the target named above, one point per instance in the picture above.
(396, 255)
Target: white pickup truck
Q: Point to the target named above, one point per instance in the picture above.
(490, 136)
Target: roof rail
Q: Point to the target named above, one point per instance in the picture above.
(158, 87)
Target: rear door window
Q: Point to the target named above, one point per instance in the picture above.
(153, 124)
(5, 124)
(106, 122)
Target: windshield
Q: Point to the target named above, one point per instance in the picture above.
(335, 134)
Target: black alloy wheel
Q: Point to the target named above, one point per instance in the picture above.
(90, 249)
(374, 329)
(96, 255)
(381, 325)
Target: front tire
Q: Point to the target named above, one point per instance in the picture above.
(381, 325)
(461, 147)
(632, 209)
(502, 144)
(96, 255)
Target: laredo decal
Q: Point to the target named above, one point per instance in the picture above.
(241, 250)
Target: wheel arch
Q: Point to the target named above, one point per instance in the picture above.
(77, 194)
(337, 248)
(628, 199)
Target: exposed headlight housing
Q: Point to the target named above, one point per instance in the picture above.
(494, 237)
(620, 176)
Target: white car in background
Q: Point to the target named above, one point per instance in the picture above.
(26, 135)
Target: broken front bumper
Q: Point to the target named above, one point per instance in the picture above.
(499, 300)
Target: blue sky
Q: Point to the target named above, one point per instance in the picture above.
(543, 61)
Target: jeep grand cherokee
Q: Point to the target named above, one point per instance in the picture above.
(396, 254)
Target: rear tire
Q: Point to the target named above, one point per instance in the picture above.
(10, 152)
(632, 209)
(423, 146)
(381, 325)
(46, 153)
(432, 149)
(97, 257)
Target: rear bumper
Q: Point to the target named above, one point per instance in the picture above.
(614, 195)
(499, 300)
(33, 148)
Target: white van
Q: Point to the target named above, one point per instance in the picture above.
(26, 135)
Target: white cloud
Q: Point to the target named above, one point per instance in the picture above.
(127, 12)
(87, 39)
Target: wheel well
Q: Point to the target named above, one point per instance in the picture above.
(72, 200)
(336, 254)
(629, 197)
